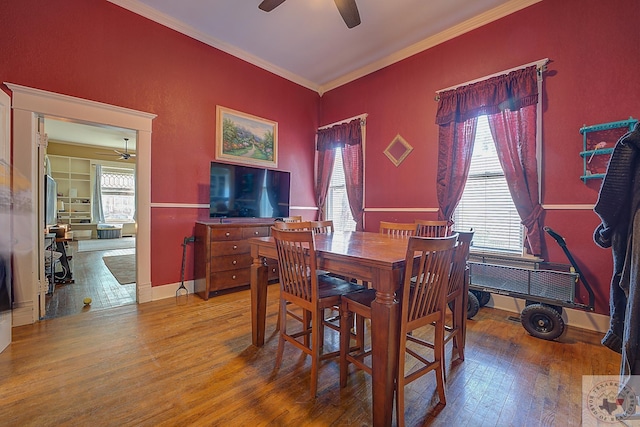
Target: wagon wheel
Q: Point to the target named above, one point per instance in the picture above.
(483, 297)
(557, 308)
(542, 321)
(473, 306)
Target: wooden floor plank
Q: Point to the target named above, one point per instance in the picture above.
(190, 362)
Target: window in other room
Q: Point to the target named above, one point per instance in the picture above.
(337, 207)
(118, 195)
(486, 204)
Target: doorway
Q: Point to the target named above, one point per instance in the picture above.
(95, 203)
(28, 105)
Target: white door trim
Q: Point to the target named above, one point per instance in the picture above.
(5, 226)
(28, 104)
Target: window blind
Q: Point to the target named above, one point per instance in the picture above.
(338, 209)
(486, 204)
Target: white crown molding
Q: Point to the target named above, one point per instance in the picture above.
(170, 22)
(450, 33)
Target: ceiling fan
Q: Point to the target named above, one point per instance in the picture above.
(347, 8)
(126, 155)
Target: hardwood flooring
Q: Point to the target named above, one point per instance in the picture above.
(92, 279)
(184, 361)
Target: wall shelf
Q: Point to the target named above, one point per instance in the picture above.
(598, 142)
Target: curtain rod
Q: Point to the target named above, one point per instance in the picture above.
(540, 65)
(361, 117)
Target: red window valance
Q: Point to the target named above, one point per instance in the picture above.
(511, 91)
(340, 135)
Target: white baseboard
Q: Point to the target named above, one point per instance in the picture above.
(23, 314)
(169, 291)
(572, 317)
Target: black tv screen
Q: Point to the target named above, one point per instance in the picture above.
(237, 191)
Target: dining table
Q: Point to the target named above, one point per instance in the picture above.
(378, 259)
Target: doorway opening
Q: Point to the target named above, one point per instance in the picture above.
(95, 204)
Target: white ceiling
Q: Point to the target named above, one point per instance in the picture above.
(305, 41)
(86, 134)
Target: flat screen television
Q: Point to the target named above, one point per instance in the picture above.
(237, 191)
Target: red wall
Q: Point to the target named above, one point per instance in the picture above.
(593, 78)
(99, 51)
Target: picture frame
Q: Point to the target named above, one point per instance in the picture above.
(245, 138)
(398, 150)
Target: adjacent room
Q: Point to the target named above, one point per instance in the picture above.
(91, 170)
(459, 150)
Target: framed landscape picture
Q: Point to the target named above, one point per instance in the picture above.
(244, 138)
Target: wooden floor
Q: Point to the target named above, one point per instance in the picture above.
(184, 361)
(91, 278)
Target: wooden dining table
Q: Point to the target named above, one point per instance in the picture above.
(373, 257)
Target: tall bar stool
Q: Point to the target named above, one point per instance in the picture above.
(423, 303)
(397, 229)
(428, 228)
(457, 289)
(301, 286)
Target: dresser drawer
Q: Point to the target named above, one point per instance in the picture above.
(231, 262)
(230, 279)
(229, 248)
(221, 234)
(255, 232)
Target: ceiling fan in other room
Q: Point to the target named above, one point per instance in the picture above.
(126, 155)
(347, 8)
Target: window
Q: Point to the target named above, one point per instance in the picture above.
(118, 195)
(337, 207)
(486, 204)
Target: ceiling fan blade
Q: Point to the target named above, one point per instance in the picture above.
(269, 5)
(349, 11)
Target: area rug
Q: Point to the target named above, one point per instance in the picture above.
(106, 244)
(123, 267)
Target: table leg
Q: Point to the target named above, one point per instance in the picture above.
(258, 300)
(384, 346)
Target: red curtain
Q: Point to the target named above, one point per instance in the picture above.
(510, 102)
(515, 135)
(454, 158)
(347, 136)
(324, 167)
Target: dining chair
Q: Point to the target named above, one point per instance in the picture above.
(422, 303)
(294, 218)
(431, 228)
(301, 286)
(457, 289)
(322, 227)
(397, 229)
(292, 225)
(289, 226)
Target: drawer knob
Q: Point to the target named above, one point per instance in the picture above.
(256, 233)
(233, 277)
(227, 234)
(235, 246)
(234, 262)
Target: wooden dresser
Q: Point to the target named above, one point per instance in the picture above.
(223, 255)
